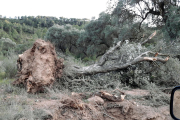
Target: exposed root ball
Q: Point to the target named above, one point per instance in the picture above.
(38, 67)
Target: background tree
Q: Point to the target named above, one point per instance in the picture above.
(98, 35)
(64, 37)
(3, 34)
(15, 35)
(155, 12)
(1, 25)
(7, 26)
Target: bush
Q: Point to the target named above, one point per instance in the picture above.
(9, 65)
(171, 29)
(3, 34)
(20, 48)
(6, 45)
(2, 75)
(167, 75)
(63, 37)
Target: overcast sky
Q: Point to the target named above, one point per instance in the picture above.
(56, 8)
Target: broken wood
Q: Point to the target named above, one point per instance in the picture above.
(149, 38)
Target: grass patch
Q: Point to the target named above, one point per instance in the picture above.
(6, 81)
(2, 76)
(13, 103)
(15, 109)
(2, 57)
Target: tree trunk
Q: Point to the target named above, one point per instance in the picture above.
(100, 66)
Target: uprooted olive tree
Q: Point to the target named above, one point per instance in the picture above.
(39, 66)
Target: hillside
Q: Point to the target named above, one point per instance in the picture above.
(27, 28)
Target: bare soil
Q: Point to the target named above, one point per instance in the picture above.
(88, 106)
(75, 107)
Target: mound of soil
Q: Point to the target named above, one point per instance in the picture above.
(76, 107)
(38, 67)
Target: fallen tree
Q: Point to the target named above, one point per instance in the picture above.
(39, 66)
(100, 66)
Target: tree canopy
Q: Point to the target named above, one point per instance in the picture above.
(159, 13)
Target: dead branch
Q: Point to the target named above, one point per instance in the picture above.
(103, 94)
(149, 38)
(104, 58)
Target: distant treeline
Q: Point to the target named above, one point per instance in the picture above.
(46, 21)
(26, 28)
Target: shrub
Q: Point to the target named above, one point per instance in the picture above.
(6, 45)
(20, 48)
(2, 75)
(9, 65)
(63, 37)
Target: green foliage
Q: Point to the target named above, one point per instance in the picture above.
(45, 21)
(20, 48)
(64, 37)
(3, 34)
(98, 35)
(172, 26)
(7, 26)
(1, 56)
(168, 74)
(15, 35)
(2, 75)
(19, 31)
(35, 36)
(157, 13)
(68, 52)
(9, 65)
(6, 45)
(1, 25)
(89, 59)
(39, 33)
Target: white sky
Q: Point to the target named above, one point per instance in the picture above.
(56, 8)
